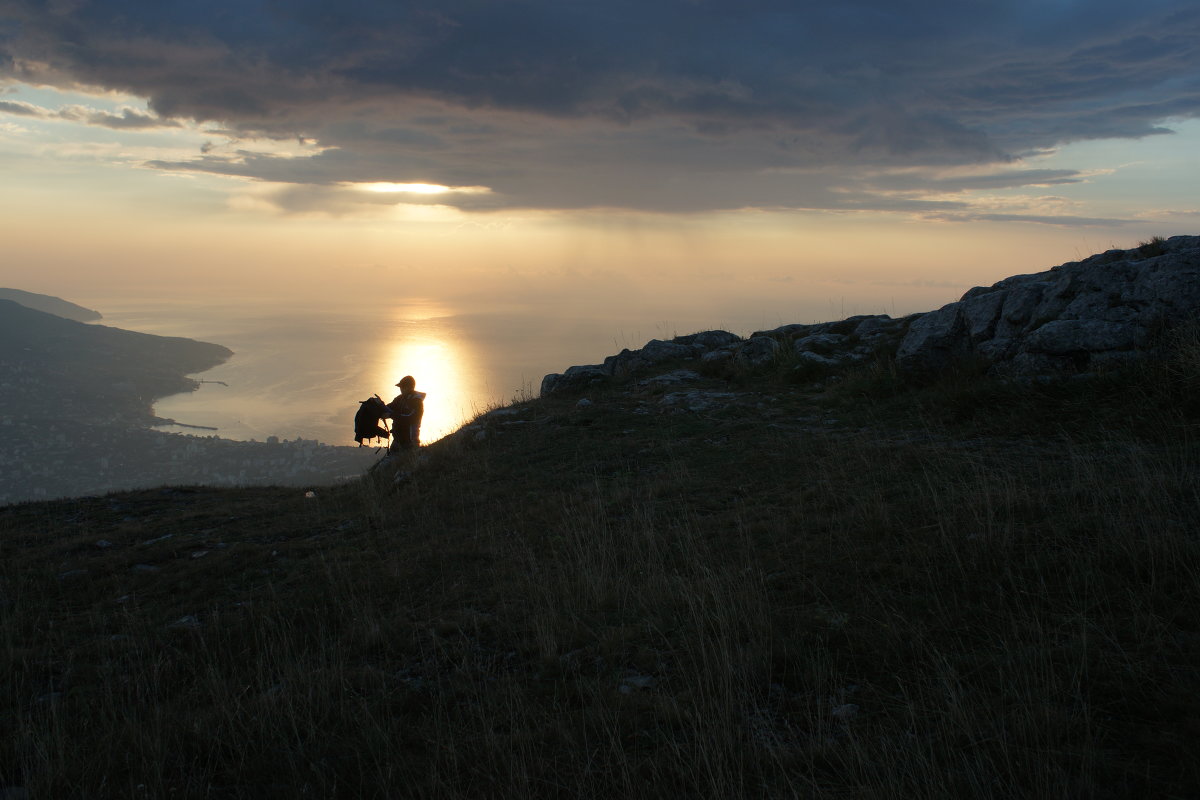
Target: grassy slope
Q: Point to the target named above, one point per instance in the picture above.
(869, 591)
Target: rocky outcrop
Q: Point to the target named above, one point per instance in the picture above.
(655, 351)
(825, 345)
(829, 345)
(1076, 317)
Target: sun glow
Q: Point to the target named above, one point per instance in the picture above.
(442, 366)
(387, 187)
(411, 188)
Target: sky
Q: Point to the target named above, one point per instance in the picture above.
(733, 162)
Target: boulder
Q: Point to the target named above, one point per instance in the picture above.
(878, 326)
(822, 343)
(1066, 336)
(758, 350)
(789, 332)
(574, 378)
(807, 358)
(706, 341)
(657, 350)
(933, 340)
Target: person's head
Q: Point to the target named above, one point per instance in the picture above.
(407, 384)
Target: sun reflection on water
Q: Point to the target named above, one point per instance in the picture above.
(444, 367)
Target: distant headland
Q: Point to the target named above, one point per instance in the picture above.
(51, 305)
(59, 366)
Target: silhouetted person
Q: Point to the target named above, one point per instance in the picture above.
(406, 412)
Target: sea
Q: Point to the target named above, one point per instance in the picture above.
(300, 372)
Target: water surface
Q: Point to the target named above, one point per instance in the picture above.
(299, 373)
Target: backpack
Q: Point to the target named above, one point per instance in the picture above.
(366, 420)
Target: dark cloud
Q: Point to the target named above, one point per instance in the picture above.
(1009, 179)
(1063, 220)
(618, 102)
(20, 108)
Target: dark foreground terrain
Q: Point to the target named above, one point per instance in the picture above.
(729, 584)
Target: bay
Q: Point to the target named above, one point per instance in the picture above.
(301, 372)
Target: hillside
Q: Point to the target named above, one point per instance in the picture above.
(51, 305)
(56, 367)
(691, 579)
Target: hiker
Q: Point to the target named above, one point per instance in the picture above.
(406, 412)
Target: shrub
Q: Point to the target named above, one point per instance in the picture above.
(1156, 246)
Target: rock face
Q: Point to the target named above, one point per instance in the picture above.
(1077, 317)
(1072, 318)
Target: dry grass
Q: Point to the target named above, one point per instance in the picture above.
(929, 597)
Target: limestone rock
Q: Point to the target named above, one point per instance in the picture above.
(808, 358)
(708, 340)
(574, 378)
(821, 343)
(789, 332)
(717, 356)
(1075, 317)
(934, 339)
(758, 350)
(655, 351)
(671, 378)
(1065, 336)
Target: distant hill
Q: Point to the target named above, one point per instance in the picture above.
(51, 305)
(54, 366)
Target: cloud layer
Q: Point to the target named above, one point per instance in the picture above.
(667, 105)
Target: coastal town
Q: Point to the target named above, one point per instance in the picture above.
(51, 460)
